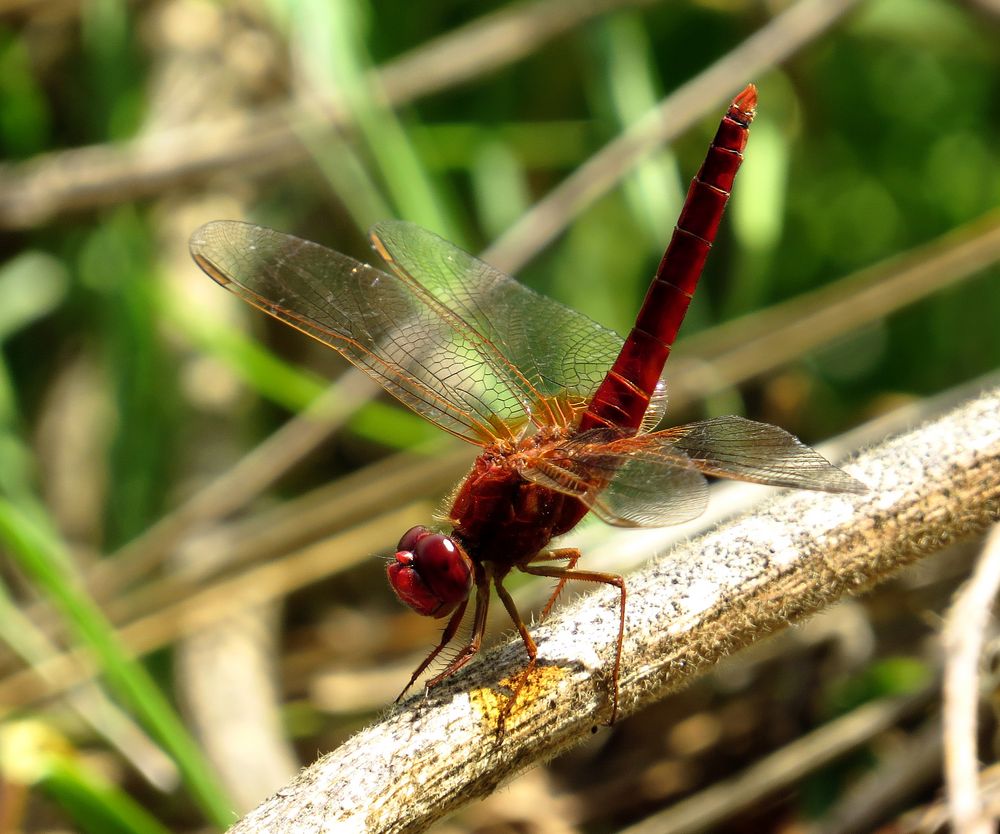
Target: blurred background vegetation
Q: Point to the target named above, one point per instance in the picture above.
(178, 495)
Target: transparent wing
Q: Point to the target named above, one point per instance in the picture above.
(656, 409)
(657, 479)
(563, 354)
(625, 482)
(411, 344)
(733, 447)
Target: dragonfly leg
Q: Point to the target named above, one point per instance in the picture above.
(564, 574)
(446, 637)
(475, 640)
(568, 554)
(529, 644)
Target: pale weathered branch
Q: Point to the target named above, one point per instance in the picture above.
(695, 605)
(963, 638)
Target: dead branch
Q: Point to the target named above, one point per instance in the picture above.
(692, 607)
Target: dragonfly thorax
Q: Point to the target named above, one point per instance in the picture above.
(501, 517)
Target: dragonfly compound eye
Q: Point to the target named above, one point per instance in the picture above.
(434, 577)
(410, 538)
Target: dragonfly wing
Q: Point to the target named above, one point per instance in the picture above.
(656, 409)
(733, 447)
(425, 358)
(625, 482)
(648, 491)
(561, 353)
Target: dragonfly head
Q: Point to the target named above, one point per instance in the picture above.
(431, 573)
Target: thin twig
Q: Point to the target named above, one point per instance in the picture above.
(963, 638)
(782, 768)
(756, 343)
(208, 606)
(697, 604)
(266, 140)
(771, 44)
(910, 770)
(254, 473)
(935, 816)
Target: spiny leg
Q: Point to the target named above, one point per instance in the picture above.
(564, 574)
(446, 638)
(529, 644)
(478, 629)
(572, 556)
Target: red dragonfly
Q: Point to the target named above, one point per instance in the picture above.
(562, 408)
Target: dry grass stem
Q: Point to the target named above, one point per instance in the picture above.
(746, 347)
(266, 140)
(782, 768)
(774, 42)
(964, 635)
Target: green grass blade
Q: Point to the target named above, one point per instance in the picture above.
(329, 38)
(96, 806)
(38, 556)
(627, 89)
(270, 376)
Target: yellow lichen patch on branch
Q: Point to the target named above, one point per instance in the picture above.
(529, 687)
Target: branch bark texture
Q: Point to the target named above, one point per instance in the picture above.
(693, 606)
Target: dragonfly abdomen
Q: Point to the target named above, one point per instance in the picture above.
(623, 396)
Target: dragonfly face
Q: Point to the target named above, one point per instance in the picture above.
(432, 572)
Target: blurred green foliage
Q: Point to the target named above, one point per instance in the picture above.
(877, 138)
